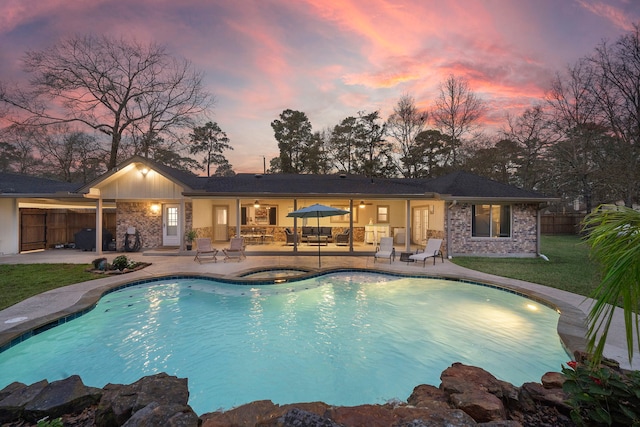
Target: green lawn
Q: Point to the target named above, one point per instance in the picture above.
(21, 281)
(569, 267)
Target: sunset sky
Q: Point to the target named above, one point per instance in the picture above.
(333, 58)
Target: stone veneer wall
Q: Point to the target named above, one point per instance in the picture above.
(146, 222)
(521, 243)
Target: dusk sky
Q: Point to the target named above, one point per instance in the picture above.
(331, 59)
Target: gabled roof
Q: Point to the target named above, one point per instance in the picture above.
(16, 184)
(465, 185)
(313, 185)
(455, 186)
(187, 180)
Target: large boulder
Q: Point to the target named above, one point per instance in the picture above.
(262, 413)
(12, 406)
(172, 415)
(119, 402)
(66, 396)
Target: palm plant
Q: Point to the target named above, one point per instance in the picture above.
(614, 237)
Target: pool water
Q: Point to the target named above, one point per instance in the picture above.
(345, 338)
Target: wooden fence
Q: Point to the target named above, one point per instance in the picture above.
(561, 223)
(46, 228)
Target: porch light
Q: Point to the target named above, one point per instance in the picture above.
(256, 204)
(143, 170)
(362, 204)
(155, 208)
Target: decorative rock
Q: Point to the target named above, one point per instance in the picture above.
(261, 412)
(459, 378)
(426, 394)
(154, 414)
(120, 402)
(10, 389)
(480, 405)
(62, 397)
(12, 406)
(547, 397)
(299, 418)
(553, 380)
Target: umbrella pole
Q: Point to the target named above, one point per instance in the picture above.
(319, 262)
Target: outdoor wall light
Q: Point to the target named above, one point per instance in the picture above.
(155, 208)
(143, 170)
(362, 204)
(256, 204)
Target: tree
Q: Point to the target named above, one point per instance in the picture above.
(429, 153)
(614, 237)
(404, 125)
(110, 85)
(293, 133)
(212, 141)
(342, 143)
(373, 152)
(578, 158)
(20, 144)
(532, 132)
(224, 169)
(68, 155)
(456, 111)
(615, 88)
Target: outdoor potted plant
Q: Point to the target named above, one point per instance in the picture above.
(190, 236)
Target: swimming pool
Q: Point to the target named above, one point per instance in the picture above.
(344, 338)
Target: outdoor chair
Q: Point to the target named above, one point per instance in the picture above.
(385, 250)
(432, 249)
(343, 238)
(292, 238)
(235, 249)
(204, 250)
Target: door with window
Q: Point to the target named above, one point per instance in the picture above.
(420, 225)
(220, 223)
(170, 225)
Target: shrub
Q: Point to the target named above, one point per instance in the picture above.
(602, 396)
(121, 262)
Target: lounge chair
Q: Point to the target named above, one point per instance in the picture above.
(343, 238)
(204, 250)
(432, 249)
(235, 249)
(385, 250)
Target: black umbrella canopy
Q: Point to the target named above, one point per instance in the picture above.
(317, 211)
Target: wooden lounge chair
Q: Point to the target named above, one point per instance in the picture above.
(385, 250)
(204, 250)
(235, 249)
(432, 249)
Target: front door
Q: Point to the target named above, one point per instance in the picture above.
(170, 225)
(220, 223)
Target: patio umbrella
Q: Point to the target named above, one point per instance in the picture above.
(317, 211)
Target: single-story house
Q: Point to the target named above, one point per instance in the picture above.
(146, 205)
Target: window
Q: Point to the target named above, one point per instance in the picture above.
(264, 215)
(382, 214)
(491, 221)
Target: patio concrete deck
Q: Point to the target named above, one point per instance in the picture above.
(49, 306)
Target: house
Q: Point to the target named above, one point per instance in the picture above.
(158, 204)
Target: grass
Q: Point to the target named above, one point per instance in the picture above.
(569, 267)
(21, 281)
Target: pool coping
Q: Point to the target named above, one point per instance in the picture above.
(571, 326)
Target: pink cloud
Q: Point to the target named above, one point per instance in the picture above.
(611, 13)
